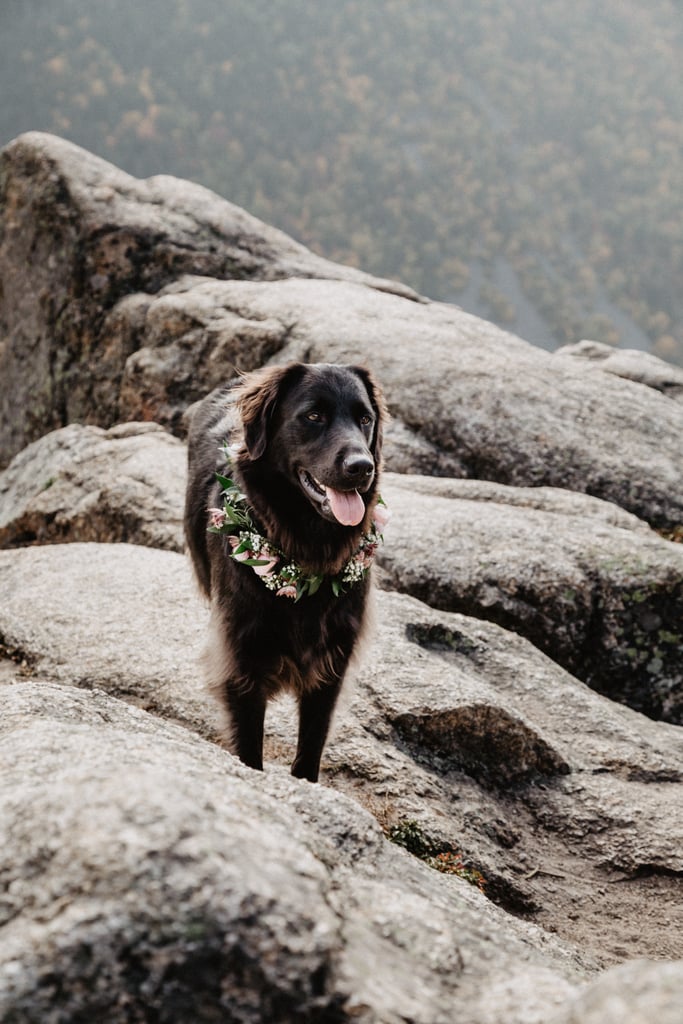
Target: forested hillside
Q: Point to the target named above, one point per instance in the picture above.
(521, 157)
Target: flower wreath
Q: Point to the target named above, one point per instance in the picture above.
(281, 575)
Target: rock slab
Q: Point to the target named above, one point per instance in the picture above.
(152, 875)
(87, 484)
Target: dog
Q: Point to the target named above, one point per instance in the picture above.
(282, 519)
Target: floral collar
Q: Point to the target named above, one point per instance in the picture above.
(281, 575)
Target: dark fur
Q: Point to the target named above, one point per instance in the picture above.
(262, 643)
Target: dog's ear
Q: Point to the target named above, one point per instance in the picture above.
(379, 405)
(256, 398)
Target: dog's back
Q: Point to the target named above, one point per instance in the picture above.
(211, 424)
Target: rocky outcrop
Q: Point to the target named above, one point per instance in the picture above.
(78, 236)
(525, 829)
(84, 483)
(146, 294)
(589, 584)
(153, 878)
(122, 618)
(452, 722)
(628, 363)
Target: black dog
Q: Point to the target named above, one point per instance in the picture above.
(282, 542)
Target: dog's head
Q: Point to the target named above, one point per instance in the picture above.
(320, 425)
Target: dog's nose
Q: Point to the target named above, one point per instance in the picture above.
(358, 467)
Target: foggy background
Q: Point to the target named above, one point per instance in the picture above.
(521, 158)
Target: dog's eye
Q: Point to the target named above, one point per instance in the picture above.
(365, 421)
(314, 416)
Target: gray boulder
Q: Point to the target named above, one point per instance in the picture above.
(76, 236)
(87, 484)
(128, 299)
(631, 364)
(123, 618)
(481, 402)
(587, 583)
(560, 798)
(149, 875)
(635, 993)
(565, 801)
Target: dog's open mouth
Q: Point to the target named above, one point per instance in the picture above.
(346, 507)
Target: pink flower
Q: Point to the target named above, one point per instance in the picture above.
(288, 591)
(242, 556)
(216, 517)
(367, 556)
(233, 541)
(381, 516)
(265, 570)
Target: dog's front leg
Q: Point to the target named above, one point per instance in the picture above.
(315, 714)
(246, 713)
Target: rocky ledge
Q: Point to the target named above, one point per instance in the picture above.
(498, 837)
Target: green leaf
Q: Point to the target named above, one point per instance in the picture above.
(225, 482)
(314, 584)
(336, 587)
(234, 517)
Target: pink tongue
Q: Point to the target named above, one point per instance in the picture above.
(347, 506)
